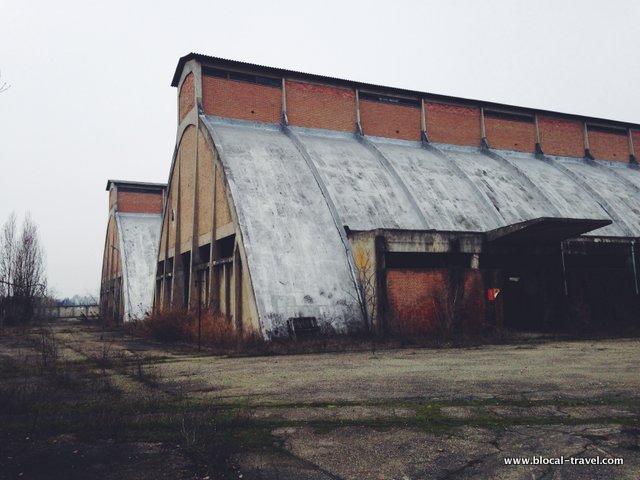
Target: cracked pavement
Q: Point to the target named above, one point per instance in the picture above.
(448, 413)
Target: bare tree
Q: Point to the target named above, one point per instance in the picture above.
(7, 256)
(22, 270)
(29, 276)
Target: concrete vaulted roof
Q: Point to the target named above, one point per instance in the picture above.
(139, 235)
(296, 189)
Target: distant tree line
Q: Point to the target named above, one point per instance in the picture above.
(77, 300)
(23, 281)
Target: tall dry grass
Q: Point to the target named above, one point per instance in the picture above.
(181, 325)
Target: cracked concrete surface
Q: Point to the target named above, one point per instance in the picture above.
(406, 414)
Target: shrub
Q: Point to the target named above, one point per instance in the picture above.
(181, 325)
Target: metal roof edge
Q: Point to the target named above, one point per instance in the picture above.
(159, 186)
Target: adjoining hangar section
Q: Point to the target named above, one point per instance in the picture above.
(130, 251)
(301, 204)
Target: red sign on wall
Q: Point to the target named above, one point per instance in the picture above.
(492, 294)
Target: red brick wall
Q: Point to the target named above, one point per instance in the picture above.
(139, 202)
(243, 100)
(609, 146)
(454, 124)
(186, 99)
(416, 301)
(561, 137)
(420, 302)
(510, 135)
(635, 136)
(319, 106)
(393, 121)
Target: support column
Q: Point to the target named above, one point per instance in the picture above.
(380, 325)
(237, 288)
(177, 256)
(214, 287)
(195, 243)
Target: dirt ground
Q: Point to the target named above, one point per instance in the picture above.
(79, 402)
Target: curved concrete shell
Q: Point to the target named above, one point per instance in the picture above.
(138, 236)
(297, 190)
(373, 183)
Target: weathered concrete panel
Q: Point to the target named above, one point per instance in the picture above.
(569, 199)
(616, 192)
(446, 197)
(365, 194)
(297, 261)
(139, 236)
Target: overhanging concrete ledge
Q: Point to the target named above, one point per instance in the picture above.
(544, 230)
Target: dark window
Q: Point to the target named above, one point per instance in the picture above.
(204, 253)
(225, 246)
(374, 97)
(607, 129)
(214, 72)
(426, 260)
(242, 77)
(169, 270)
(186, 277)
(512, 116)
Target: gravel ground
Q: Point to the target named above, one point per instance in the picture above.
(393, 414)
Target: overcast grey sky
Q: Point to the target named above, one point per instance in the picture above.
(90, 96)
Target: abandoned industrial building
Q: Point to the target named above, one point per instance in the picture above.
(300, 204)
(130, 249)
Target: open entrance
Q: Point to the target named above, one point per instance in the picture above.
(525, 290)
